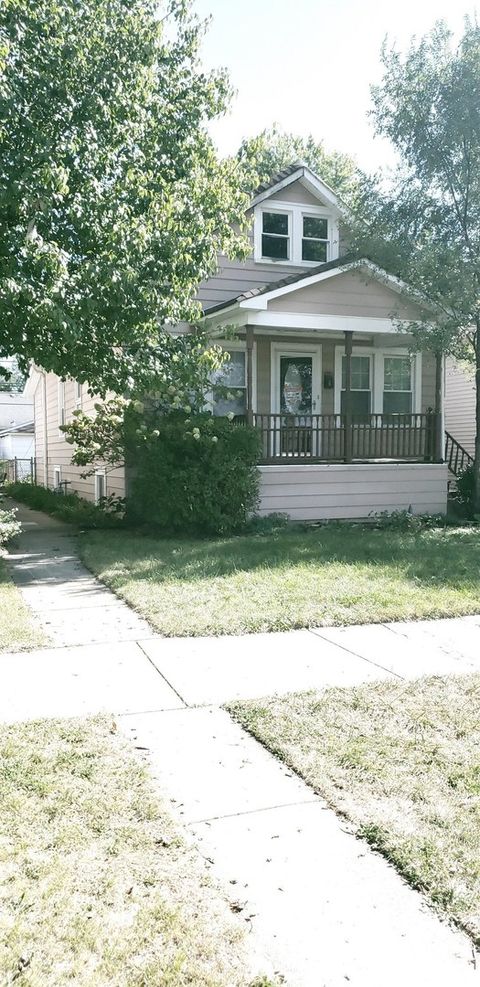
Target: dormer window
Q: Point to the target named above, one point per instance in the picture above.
(276, 235)
(292, 233)
(315, 239)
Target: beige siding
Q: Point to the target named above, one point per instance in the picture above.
(234, 277)
(296, 192)
(460, 404)
(311, 493)
(59, 451)
(351, 293)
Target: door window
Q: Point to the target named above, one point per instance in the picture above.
(296, 385)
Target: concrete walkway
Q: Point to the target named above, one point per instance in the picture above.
(322, 908)
(70, 604)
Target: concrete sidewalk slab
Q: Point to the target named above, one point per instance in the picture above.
(218, 669)
(408, 651)
(80, 681)
(321, 906)
(459, 638)
(217, 768)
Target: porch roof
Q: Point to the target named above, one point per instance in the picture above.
(252, 307)
(343, 262)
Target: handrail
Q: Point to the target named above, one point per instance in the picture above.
(456, 456)
(397, 437)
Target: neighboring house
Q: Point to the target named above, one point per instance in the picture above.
(17, 440)
(54, 401)
(460, 404)
(351, 423)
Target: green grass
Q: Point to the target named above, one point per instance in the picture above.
(401, 761)
(299, 577)
(18, 630)
(97, 887)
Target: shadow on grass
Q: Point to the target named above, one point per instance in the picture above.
(444, 556)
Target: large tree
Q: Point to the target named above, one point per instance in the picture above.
(269, 152)
(113, 203)
(423, 224)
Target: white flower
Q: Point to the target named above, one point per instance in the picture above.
(139, 406)
(196, 433)
(214, 438)
(230, 416)
(156, 433)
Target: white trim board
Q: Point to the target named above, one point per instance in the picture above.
(310, 323)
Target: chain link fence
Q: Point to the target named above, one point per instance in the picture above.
(17, 470)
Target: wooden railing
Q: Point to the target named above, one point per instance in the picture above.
(336, 438)
(456, 457)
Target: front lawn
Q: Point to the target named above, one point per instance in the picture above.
(402, 763)
(97, 888)
(18, 630)
(297, 577)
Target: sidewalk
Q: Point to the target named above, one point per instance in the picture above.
(323, 908)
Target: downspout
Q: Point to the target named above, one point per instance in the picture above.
(45, 433)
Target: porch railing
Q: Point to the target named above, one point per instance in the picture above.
(334, 438)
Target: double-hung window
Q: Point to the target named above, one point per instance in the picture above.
(397, 385)
(229, 385)
(360, 386)
(78, 394)
(276, 235)
(61, 403)
(100, 485)
(315, 239)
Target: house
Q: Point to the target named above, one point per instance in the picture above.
(17, 439)
(351, 423)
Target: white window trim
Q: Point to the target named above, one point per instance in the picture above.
(237, 346)
(296, 349)
(295, 212)
(98, 473)
(377, 356)
(57, 470)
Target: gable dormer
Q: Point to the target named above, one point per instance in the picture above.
(296, 219)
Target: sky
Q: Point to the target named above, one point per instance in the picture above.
(308, 65)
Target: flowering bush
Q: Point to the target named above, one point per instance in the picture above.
(194, 475)
(9, 526)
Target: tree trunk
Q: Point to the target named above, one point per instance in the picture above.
(476, 464)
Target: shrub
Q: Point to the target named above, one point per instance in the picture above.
(9, 526)
(197, 476)
(68, 507)
(463, 494)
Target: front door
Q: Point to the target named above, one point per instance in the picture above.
(296, 400)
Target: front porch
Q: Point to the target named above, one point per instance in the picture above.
(342, 399)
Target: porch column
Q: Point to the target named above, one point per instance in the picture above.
(347, 417)
(249, 408)
(438, 448)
